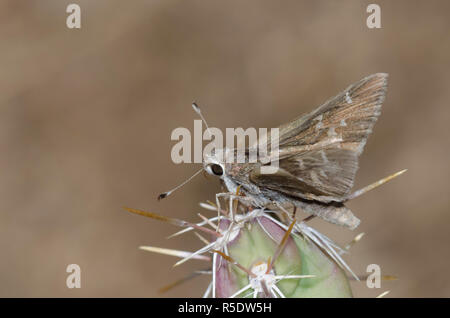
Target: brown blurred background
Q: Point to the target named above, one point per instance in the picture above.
(86, 117)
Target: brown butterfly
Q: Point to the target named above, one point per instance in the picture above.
(317, 156)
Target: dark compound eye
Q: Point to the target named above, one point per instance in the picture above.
(217, 170)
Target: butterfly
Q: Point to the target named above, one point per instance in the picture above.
(317, 156)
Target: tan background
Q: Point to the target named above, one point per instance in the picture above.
(86, 117)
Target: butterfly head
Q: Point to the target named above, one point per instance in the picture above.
(214, 162)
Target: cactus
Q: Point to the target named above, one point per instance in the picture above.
(275, 263)
(256, 252)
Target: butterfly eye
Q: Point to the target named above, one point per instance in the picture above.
(217, 169)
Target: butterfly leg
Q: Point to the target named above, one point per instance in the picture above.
(219, 209)
(308, 218)
(231, 197)
(224, 195)
(294, 212)
(287, 215)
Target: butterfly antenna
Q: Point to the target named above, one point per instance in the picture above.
(166, 194)
(199, 112)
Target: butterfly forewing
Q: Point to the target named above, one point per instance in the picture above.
(318, 152)
(350, 115)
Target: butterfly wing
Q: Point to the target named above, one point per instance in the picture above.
(318, 152)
